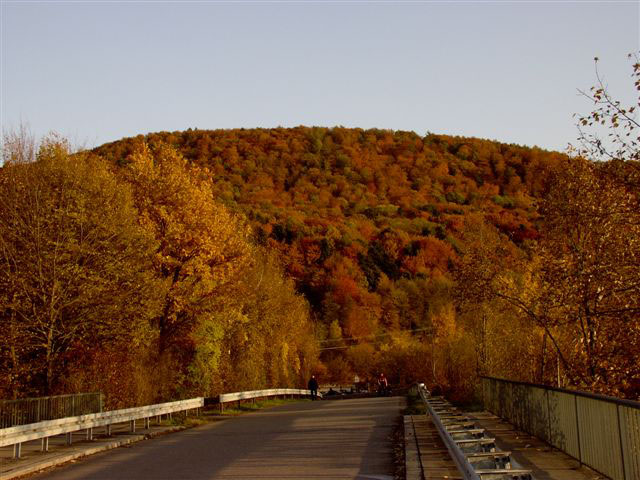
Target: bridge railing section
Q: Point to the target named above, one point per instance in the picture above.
(255, 394)
(32, 410)
(17, 434)
(601, 432)
(474, 452)
(43, 430)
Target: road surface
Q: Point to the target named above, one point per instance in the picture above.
(329, 439)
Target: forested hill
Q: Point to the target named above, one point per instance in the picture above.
(356, 212)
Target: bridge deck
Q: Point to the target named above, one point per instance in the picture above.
(312, 440)
(545, 462)
(327, 439)
(528, 452)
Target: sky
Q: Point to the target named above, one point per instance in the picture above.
(95, 72)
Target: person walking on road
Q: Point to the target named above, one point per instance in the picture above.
(383, 385)
(313, 386)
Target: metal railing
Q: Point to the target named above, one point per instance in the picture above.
(254, 394)
(474, 453)
(32, 410)
(43, 430)
(18, 434)
(600, 432)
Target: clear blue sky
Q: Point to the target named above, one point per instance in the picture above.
(99, 71)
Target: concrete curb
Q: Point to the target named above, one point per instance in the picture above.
(61, 458)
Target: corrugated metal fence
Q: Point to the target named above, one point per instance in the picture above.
(601, 432)
(32, 410)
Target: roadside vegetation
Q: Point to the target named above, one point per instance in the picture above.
(249, 406)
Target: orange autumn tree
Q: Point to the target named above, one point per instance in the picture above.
(202, 248)
(590, 269)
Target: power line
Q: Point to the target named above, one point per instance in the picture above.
(373, 336)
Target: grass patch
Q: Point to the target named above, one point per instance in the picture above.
(212, 414)
(179, 419)
(252, 407)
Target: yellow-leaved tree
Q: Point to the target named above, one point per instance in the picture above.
(75, 267)
(202, 249)
(273, 345)
(591, 272)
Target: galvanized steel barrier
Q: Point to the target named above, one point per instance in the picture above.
(32, 410)
(601, 432)
(475, 454)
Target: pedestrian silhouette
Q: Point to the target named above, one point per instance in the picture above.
(313, 386)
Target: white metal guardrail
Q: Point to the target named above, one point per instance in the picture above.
(273, 392)
(43, 430)
(472, 451)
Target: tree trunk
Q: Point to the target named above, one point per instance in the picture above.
(542, 357)
(14, 356)
(165, 329)
(49, 371)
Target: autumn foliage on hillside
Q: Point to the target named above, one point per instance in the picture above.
(434, 258)
(197, 262)
(370, 225)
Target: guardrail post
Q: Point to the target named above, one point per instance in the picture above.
(17, 450)
(44, 444)
(108, 430)
(89, 433)
(132, 426)
(158, 418)
(146, 423)
(69, 438)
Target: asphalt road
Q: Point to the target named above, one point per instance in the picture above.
(330, 439)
